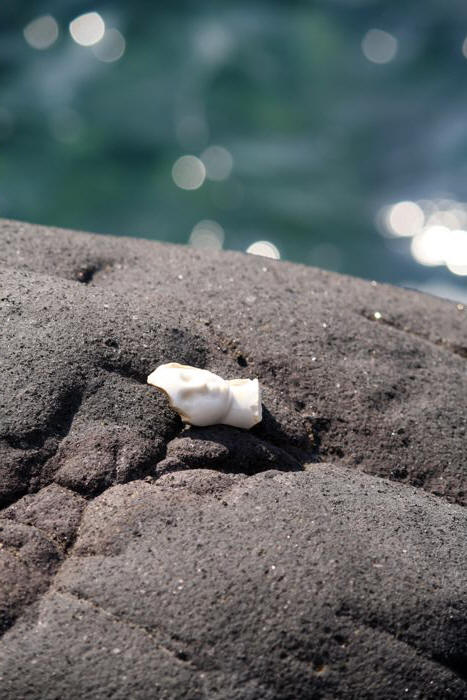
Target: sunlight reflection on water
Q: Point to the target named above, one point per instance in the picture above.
(42, 32)
(264, 248)
(434, 229)
(279, 122)
(87, 29)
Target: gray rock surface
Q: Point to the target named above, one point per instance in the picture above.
(141, 559)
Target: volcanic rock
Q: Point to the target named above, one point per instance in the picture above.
(320, 555)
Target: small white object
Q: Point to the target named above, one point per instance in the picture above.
(203, 398)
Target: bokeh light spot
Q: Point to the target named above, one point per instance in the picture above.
(87, 29)
(264, 248)
(429, 246)
(111, 47)
(456, 253)
(405, 219)
(213, 43)
(437, 228)
(207, 235)
(379, 46)
(218, 162)
(464, 47)
(188, 172)
(451, 218)
(42, 32)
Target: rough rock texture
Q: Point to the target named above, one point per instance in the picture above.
(141, 559)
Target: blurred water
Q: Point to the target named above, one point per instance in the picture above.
(299, 124)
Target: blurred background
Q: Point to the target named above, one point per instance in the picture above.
(332, 133)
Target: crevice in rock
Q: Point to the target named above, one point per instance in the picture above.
(86, 273)
(96, 459)
(58, 425)
(39, 557)
(455, 664)
(61, 547)
(126, 371)
(58, 545)
(225, 449)
(178, 655)
(45, 441)
(442, 343)
(318, 427)
(242, 361)
(228, 346)
(460, 350)
(296, 443)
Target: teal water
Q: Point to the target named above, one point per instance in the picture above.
(322, 115)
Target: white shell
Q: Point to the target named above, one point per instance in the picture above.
(203, 398)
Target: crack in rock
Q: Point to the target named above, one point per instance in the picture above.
(442, 343)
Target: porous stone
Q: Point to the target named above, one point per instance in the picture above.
(53, 510)
(323, 583)
(141, 558)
